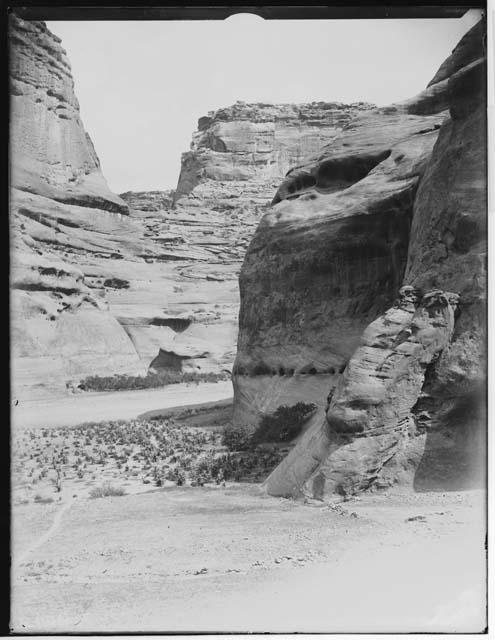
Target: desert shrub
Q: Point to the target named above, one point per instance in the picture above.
(176, 475)
(116, 283)
(201, 473)
(284, 424)
(122, 382)
(261, 369)
(155, 450)
(210, 468)
(42, 500)
(105, 490)
(236, 438)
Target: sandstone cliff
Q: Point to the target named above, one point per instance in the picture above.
(103, 284)
(52, 155)
(237, 157)
(60, 208)
(247, 148)
(397, 198)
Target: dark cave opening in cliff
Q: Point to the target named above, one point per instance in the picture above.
(330, 176)
(336, 174)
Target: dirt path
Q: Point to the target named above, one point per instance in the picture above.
(121, 405)
(19, 560)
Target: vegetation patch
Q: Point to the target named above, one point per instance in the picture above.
(105, 490)
(284, 424)
(122, 382)
(100, 458)
(237, 438)
(42, 499)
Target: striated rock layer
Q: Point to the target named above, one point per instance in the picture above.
(237, 158)
(397, 199)
(247, 148)
(52, 155)
(238, 155)
(103, 284)
(60, 204)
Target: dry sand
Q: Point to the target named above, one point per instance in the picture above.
(233, 559)
(121, 405)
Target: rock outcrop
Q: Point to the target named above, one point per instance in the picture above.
(52, 155)
(246, 149)
(60, 204)
(237, 157)
(329, 257)
(396, 200)
(145, 274)
(368, 430)
(148, 202)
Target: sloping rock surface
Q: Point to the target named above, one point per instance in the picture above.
(397, 198)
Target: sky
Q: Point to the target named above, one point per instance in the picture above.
(142, 85)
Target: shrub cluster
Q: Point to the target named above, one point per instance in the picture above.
(251, 465)
(284, 424)
(105, 490)
(123, 382)
(154, 451)
(237, 438)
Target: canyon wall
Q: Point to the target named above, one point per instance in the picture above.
(227, 179)
(237, 158)
(362, 291)
(60, 204)
(243, 151)
(52, 155)
(103, 284)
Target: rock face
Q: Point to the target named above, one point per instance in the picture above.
(329, 257)
(103, 284)
(368, 423)
(60, 204)
(397, 199)
(448, 249)
(247, 148)
(148, 202)
(52, 155)
(237, 157)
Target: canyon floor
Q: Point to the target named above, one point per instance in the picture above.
(231, 558)
(74, 409)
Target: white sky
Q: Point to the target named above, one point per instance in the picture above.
(142, 85)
